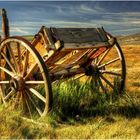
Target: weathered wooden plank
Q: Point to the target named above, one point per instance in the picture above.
(80, 46)
(65, 73)
(71, 60)
(56, 57)
(82, 35)
(75, 58)
(47, 34)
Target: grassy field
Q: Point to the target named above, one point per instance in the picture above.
(131, 53)
(84, 116)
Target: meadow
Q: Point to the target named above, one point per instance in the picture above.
(80, 114)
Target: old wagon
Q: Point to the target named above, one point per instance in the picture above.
(28, 68)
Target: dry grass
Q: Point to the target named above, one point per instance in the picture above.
(102, 127)
(118, 120)
(132, 57)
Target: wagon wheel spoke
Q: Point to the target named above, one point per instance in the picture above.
(109, 62)
(1, 95)
(110, 72)
(17, 99)
(37, 94)
(78, 77)
(34, 82)
(7, 71)
(25, 62)
(21, 98)
(12, 56)
(34, 104)
(96, 60)
(101, 85)
(12, 92)
(4, 82)
(22, 103)
(94, 81)
(103, 56)
(8, 62)
(107, 81)
(28, 107)
(33, 67)
(19, 57)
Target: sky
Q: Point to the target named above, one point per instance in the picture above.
(117, 17)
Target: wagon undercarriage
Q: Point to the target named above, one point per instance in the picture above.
(29, 69)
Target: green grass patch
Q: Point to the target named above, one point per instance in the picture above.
(74, 99)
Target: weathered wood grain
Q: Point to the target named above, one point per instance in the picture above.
(81, 35)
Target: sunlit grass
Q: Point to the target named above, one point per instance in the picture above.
(78, 112)
(81, 113)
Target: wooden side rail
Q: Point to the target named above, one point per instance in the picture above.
(46, 43)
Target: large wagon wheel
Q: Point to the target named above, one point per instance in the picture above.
(107, 71)
(24, 78)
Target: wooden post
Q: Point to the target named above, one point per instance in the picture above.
(5, 34)
(5, 24)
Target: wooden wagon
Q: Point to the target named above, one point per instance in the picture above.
(53, 54)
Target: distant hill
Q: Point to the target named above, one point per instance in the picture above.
(129, 39)
(29, 37)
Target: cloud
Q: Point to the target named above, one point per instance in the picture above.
(136, 22)
(28, 17)
(18, 30)
(62, 23)
(86, 9)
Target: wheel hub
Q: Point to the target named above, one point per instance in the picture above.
(17, 83)
(92, 70)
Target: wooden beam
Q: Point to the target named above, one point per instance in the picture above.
(66, 73)
(5, 24)
(81, 46)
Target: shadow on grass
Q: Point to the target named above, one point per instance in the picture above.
(73, 103)
(73, 100)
